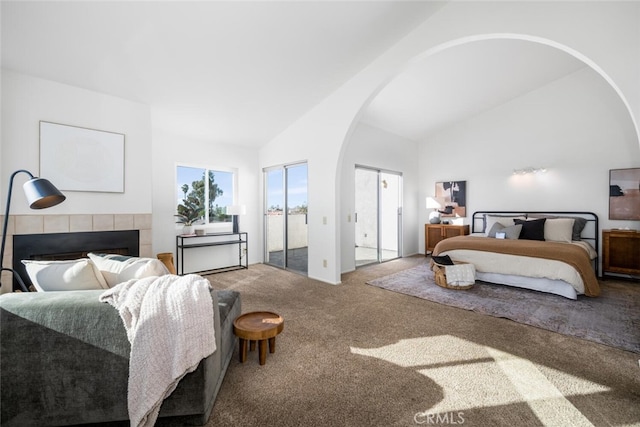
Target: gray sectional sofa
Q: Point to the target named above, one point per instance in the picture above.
(64, 360)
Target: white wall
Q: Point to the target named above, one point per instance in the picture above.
(370, 146)
(170, 150)
(576, 127)
(604, 33)
(26, 100)
(149, 166)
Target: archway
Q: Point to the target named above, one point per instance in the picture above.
(495, 36)
(425, 56)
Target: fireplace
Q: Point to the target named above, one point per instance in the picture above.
(65, 246)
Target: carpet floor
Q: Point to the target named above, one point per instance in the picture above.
(613, 318)
(358, 355)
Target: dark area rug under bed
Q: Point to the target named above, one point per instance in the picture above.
(613, 318)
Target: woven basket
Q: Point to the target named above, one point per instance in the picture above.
(441, 278)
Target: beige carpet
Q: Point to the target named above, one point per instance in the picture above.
(357, 355)
(613, 318)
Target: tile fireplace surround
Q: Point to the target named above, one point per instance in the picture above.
(39, 224)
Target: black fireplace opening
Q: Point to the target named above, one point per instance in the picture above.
(68, 246)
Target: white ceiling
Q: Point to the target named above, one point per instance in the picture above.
(232, 72)
(241, 72)
(461, 82)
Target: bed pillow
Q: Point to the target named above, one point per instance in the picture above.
(73, 275)
(506, 220)
(532, 229)
(511, 232)
(579, 224)
(558, 229)
(120, 268)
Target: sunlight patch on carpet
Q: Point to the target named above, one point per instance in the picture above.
(544, 399)
(476, 376)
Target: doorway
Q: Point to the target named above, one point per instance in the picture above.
(378, 215)
(285, 215)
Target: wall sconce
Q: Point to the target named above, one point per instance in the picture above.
(236, 210)
(529, 170)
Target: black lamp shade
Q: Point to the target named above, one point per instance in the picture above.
(42, 194)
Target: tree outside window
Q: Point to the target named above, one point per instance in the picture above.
(202, 195)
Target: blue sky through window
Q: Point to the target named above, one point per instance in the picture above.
(186, 175)
(297, 183)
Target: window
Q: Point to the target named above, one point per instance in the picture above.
(200, 200)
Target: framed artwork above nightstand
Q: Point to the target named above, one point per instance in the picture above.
(454, 196)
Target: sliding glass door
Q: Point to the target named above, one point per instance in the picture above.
(378, 215)
(274, 218)
(286, 243)
(366, 216)
(390, 213)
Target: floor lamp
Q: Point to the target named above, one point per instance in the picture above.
(40, 194)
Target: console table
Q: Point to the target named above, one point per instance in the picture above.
(185, 242)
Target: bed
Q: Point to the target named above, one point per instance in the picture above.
(553, 252)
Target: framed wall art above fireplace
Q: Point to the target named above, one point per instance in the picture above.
(81, 159)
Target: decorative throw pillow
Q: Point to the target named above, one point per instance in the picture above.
(120, 268)
(558, 229)
(579, 224)
(507, 220)
(73, 275)
(532, 229)
(511, 232)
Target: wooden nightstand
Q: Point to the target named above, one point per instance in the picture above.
(433, 233)
(621, 252)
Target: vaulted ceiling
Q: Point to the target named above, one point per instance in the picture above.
(241, 72)
(463, 81)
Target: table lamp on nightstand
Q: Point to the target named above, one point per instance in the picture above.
(434, 203)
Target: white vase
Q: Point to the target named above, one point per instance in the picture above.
(188, 229)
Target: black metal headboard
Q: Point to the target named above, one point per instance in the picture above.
(64, 246)
(590, 233)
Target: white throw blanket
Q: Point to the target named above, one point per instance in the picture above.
(169, 323)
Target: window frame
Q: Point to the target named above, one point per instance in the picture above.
(208, 226)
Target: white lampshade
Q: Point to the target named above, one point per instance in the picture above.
(236, 210)
(434, 202)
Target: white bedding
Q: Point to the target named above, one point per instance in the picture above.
(550, 286)
(526, 272)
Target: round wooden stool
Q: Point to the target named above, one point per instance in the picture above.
(260, 326)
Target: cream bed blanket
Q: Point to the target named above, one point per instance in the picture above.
(563, 261)
(169, 323)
